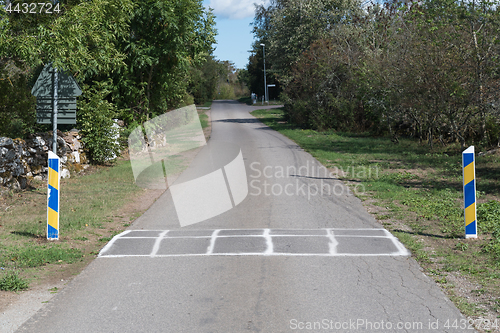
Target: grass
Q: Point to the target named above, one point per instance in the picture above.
(417, 193)
(248, 101)
(88, 217)
(11, 281)
(204, 120)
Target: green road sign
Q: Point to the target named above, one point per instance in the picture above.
(67, 90)
(66, 110)
(44, 86)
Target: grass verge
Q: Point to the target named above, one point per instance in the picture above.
(95, 205)
(90, 208)
(416, 193)
(248, 101)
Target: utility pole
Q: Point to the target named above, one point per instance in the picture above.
(265, 83)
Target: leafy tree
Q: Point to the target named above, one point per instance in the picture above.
(166, 38)
(95, 119)
(204, 79)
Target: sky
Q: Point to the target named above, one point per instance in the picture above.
(234, 39)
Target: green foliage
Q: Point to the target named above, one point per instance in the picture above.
(204, 80)
(488, 219)
(95, 119)
(17, 107)
(132, 56)
(427, 69)
(34, 256)
(168, 38)
(11, 281)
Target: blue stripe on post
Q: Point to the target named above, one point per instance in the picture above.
(52, 232)
(54, 164)
(53, 199)
(469, 194)
(468, 159)
(471, 229)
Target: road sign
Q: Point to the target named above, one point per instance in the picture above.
(66, 110)
(67, 90)
(53, 197)
(469, 171)
(44, 85)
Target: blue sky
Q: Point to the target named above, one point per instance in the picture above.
(234, 39)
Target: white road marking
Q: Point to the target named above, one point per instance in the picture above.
(210, 249)
(333, 242)
(332, 234)
(269, 242)
(156, 247)
(111, 242)
(397, 243)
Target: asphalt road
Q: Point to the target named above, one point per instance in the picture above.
(297, 253)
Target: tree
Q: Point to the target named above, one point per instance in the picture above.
(166, 38)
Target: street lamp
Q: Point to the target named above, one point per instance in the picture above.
(265, 83)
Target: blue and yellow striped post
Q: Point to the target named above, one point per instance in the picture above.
(469, 168)
(53, 197)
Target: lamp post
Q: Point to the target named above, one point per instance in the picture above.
(265, 83)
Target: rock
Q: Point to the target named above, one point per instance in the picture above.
(76, 156)
(39, 141)
(10, 156)
(65, 173)
(22, 161)
(6, 142)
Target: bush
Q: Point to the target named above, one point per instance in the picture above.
(13, 282)
(95, 119)
(488, 219)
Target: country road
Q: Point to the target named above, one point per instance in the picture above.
(293, 250)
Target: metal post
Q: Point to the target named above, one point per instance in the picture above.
(265, 83)
(54, 113)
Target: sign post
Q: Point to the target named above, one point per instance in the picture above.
(54, 113)
(55, 94)
(469, 172)
(53, 197)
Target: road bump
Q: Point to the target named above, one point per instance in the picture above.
(264, 242)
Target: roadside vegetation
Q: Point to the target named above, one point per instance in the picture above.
(134, 60)
(91, 213)
(421, 69)
(416, 193)
(96, 205)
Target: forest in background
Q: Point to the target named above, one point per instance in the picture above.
(427, 69)
(134, 60)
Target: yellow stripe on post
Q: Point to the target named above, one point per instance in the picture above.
(53, 178)
(53, 186)
(470, 214)
(469, 173)
(53, 218)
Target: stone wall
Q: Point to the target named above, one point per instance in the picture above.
(24, 160)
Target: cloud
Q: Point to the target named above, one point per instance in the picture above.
(234, 9)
